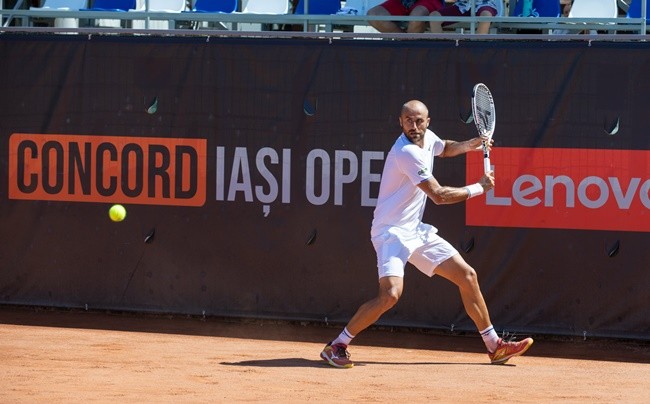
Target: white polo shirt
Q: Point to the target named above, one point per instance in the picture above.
(400, 204)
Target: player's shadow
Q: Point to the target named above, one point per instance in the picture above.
(310, 363)
(279, 363)
(429, 363)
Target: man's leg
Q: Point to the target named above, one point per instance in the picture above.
(383, 26)
(435, 26)
(459, 272)
(484, 27)
(390, 289)
(456, 270)
(417, 27)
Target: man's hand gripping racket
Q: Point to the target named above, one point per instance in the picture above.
(484, 118)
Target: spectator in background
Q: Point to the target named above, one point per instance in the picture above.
(484, 8)
(412, 8)
(566, 7)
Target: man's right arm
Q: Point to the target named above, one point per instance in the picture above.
(445, 195)
(453, 148)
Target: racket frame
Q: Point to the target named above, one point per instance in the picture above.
(486, 135)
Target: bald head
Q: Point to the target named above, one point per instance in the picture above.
(415, 107)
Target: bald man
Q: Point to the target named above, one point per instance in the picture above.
(399, 235)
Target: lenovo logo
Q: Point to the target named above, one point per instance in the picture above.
(565, 189)
(81, 168)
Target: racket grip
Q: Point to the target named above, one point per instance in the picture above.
(487, 167)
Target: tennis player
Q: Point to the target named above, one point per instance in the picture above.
(399, 235)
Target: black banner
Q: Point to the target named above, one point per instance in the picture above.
(249, 170)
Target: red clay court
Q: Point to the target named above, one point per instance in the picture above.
(64, 356)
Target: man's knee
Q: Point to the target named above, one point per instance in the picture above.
(470, 277)
(389, 297)
(377, 10)
(419, 11)
(459, 272)
(416, 27)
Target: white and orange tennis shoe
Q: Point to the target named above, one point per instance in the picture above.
(337, 355)
(510, 349)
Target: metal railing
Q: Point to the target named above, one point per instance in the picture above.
(24, 20)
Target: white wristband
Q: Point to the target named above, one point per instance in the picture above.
(474, 190)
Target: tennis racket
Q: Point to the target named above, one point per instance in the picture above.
(485, 119)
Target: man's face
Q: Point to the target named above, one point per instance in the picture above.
(414, 123)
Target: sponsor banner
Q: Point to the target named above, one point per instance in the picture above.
(587, 189)
(84, 168)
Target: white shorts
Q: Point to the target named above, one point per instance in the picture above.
(425, 249)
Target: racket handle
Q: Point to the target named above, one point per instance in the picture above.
(487, 167)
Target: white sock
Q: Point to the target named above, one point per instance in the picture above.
(344, 338)
(490, 338)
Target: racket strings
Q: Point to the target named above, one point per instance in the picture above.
(483, 115)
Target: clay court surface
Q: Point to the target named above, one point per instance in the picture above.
(63, 356)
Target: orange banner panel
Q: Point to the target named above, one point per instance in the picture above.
(84, 168)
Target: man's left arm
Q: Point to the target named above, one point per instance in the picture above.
(453, 148)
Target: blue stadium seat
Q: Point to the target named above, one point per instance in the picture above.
(634, 11)
(214, 6)
(318, 7)
(540, 8)
(121, 6)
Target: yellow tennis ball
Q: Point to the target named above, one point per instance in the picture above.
(117, 213)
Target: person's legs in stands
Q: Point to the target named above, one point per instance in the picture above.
(453, 11)
(448, 11)
(417, 27)
(484, 27)
(435, 26)
(389, 7)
